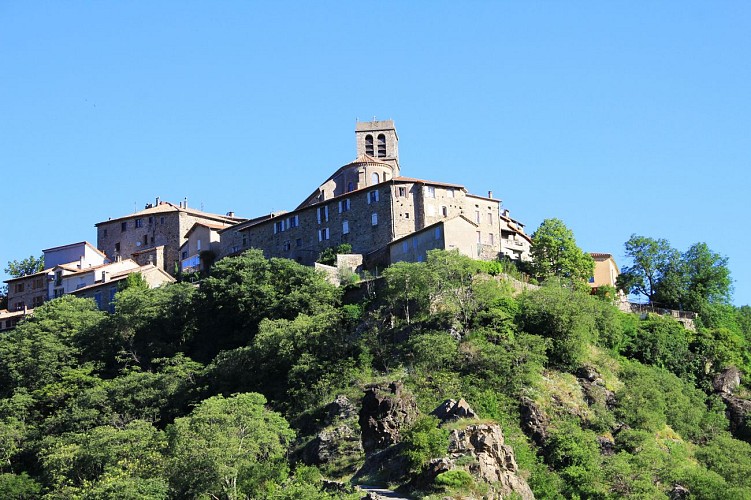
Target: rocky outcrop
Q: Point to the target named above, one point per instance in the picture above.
(739, 414)
(340, 437)
(451, 410)
(738, 410)
(494, 460)
(727, 381)
(594, 388)
(534, 422)
(386, 410)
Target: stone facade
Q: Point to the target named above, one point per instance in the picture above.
(368, 204)
(163, 224)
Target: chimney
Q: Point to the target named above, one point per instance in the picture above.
(185, 202)
(156, 204)
(230, 214)
(105, 277)
(490, 194)
(80, 262)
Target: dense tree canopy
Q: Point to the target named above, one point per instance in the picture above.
(555, 253)
(692, 280)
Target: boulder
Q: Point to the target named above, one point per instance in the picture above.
(493, 462)
(727, 381)
(451, 410)
(385, 411)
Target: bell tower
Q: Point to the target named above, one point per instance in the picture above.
(378, 139)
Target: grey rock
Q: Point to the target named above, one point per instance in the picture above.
(385, 411)
(451, 410)
(727, 381)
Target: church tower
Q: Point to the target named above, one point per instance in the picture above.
(378, 139)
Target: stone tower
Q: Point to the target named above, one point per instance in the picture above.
(379, 140)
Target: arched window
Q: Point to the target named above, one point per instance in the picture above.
(369, 145)
(381, 146)
(374, 178)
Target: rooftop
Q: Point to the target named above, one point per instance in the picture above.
(167, 207)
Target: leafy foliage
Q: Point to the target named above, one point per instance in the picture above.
(24, 267)
(555, 253)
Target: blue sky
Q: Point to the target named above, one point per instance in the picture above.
(616, 117)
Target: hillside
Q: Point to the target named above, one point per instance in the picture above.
(268, 382)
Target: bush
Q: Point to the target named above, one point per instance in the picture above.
(458, 478)
(424, 441)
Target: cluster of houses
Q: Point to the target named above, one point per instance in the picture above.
(384, 216)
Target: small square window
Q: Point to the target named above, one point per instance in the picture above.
(402, 191)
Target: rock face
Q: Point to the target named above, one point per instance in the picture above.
(451, 410)
(494, 461)
(339, 438)
(534, 422)
(594, 388)
(738, 410)
(727, 381)
(386, 410)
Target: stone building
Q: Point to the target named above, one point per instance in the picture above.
(154, 235)
(368, 204)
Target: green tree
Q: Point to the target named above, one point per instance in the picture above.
(702, 278)
(24, 267)
(228, 448)
(555, 253)
(652, 261)
(563, 315)
(408, 287)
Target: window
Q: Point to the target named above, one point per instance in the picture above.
(490, 217)
(294, 221)
(38, 283)
(406, 215)
(479, 237)
(323, 234)
(151, 220)
(198, 245)
(373, 196)
(402, 192)
(20, 305)
(491, 239)
(369, 145)
(429, 191)
(344, 205)
(279, 227)
(374, 219)
(477, 216)
(19, 287)
(152, 241)
(161, 220)
(105, 233)
(298, 242)
(139, 222)
(345, 227)
(123, 227)
(37, 301)
(445, 211)
(117, 247)
(323, 214)
(381, 146)
(287, 245)
(374, 178)
(185, 255)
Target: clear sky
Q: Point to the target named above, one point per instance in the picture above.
(616, 117)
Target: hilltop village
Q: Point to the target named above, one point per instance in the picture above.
(383, 216)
